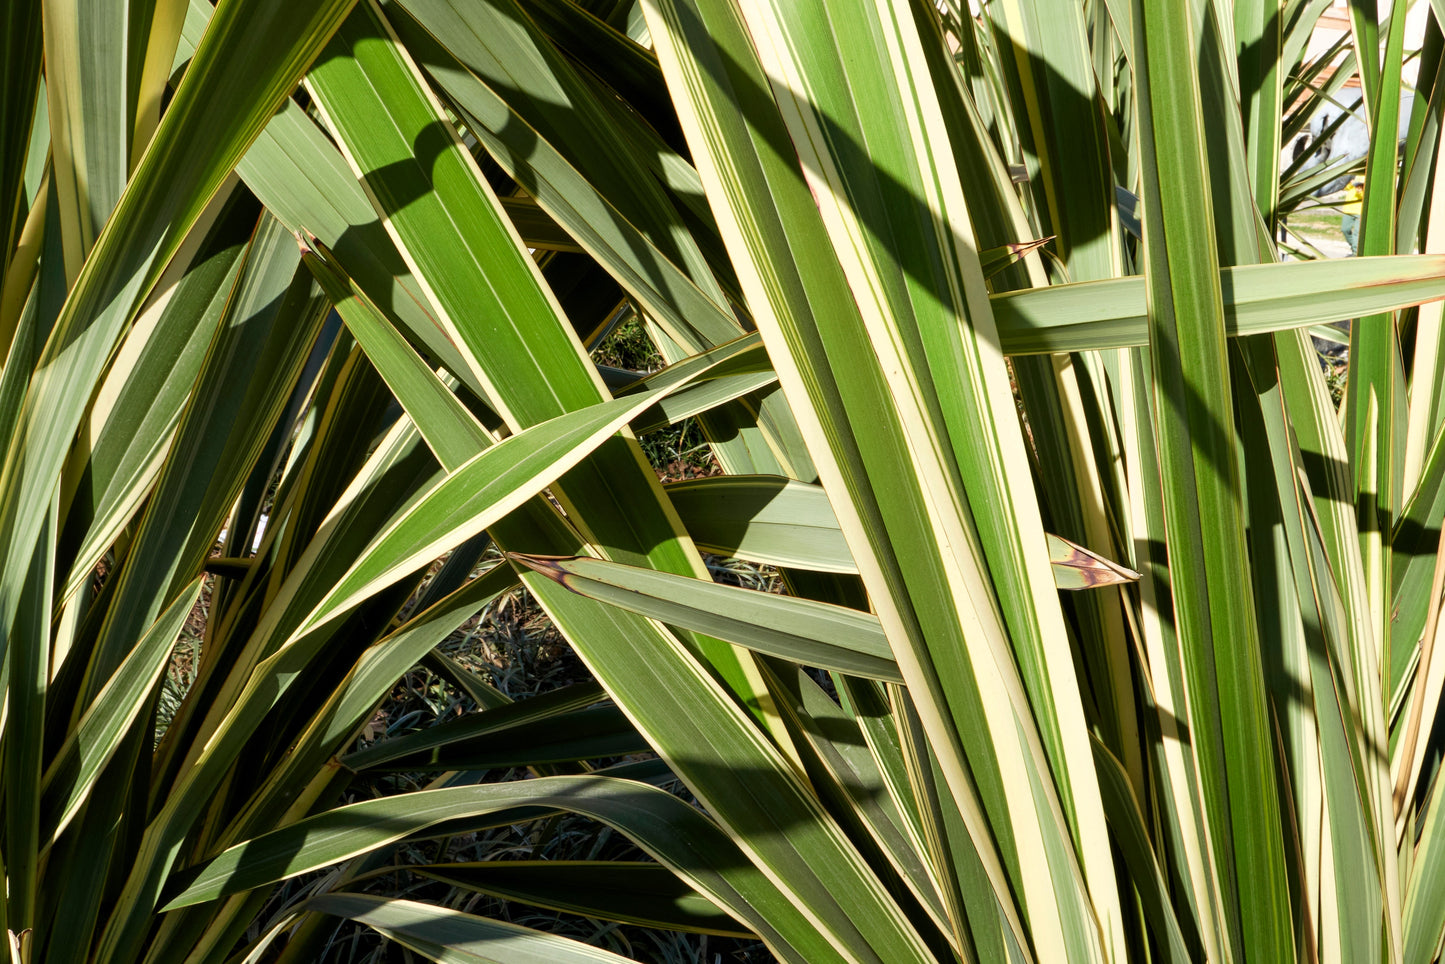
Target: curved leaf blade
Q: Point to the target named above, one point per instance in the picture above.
(451, 937)
(631, 892)
(812, 633)
(1257, 298)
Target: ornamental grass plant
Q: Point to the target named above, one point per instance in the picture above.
(1090, 628)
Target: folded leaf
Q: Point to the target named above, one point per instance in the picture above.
(812, 633)
(451, 937)
(1257, 298)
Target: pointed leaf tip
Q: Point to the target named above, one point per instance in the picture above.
(1077, 568)
(548, 566)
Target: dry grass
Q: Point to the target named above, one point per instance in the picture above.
(513, 646)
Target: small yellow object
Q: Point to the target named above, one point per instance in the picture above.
(1354, 193)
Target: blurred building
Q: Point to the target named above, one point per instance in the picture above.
(1351, 138)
